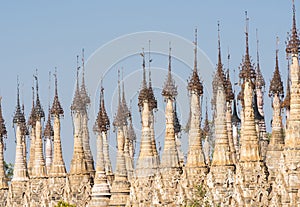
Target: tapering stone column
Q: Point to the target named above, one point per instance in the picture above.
(120, 187)
(19, 182)
(39, 168)
(276, 144)
(79, 175)
(147, 162)
(101, 189)
(195, 165)
(291, 153)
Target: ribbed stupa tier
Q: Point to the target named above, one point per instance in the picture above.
(58, 168)
(276, 144)
(39, 167)
(147, 162)
(20, 171)
(195, 157)
(78, 163)
(249, 150)
(222, 167)
(251, 170)
(20, 179)
(101, 190)
(169, 157)
(120, 187)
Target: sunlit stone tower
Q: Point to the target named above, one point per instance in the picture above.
(291, 153)
(39, 167)
(251, 173)
(79, 175)
(276, 144)
(101, 189)
(222, 165)
(196, 167)
(120, 187)
(19, 182)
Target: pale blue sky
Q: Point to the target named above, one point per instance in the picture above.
(45, 35)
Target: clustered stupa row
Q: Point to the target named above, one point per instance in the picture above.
(246, 167)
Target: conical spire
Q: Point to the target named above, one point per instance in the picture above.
(194, 84)
(120, 119)
(220, 72)
(77, 104)
(56, 106)
(144, 92)
(83, 93)
(247, 71)
(260, 82)
(102, 122)
(219, 78)
(293, 45)
(39, 112)
(169, 90)
(18, 116)
(276, 85)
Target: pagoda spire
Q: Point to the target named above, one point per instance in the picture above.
(3, 135)
(58, 168)
(83, 92)
(39, 168)
(170, 155)
(196, 167)
(120, 187)
(20, 171)
(152, 108)
(78, 168)
(147, 161)
(276, 144)
(293, 45)
(195, 84)
(124, 104)
(101, 189)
